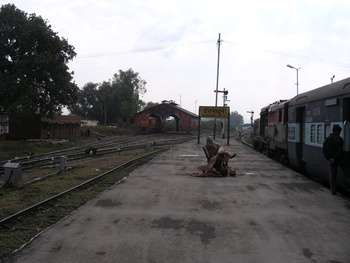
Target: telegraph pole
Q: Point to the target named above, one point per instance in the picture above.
(217, 80)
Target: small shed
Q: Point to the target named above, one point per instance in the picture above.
(37, 127)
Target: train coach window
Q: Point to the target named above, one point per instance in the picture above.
(313, 133)
(319, 134)
(279, 116)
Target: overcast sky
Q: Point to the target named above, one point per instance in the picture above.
(172, 44)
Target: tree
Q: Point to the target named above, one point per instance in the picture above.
(85, 106)
(150, 104)
(34, 75)
(110, 100)
(236, 120)
(105, 100)
(128, 86)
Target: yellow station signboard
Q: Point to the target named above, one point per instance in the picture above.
(213, 112)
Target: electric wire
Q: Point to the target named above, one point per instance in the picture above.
(289, 54)
(141, 50)
(180, 45)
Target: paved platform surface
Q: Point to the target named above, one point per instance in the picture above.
(160, 214)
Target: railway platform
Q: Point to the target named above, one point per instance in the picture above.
(159, 213)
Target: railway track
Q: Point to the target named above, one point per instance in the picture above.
(112, 146)
(22, 226)
(77, 156)
(245, 139)
(43, 167)
(134, 162)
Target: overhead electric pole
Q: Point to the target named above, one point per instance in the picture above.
(217, 80)
(217, 71)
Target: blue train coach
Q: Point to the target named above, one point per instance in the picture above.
(311, 116)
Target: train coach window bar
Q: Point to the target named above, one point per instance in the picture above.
(319, 134)
(313, 133)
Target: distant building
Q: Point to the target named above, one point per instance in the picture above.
(89, 123)
(156, 116)
(59, 127)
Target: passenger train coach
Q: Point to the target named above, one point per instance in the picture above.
(293, 131)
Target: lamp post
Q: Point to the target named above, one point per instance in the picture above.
(297, 69)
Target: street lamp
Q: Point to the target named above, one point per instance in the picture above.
(289, 66)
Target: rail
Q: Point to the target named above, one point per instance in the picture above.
(107, 147)
(90, 181)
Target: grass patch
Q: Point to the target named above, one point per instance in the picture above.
(10, 149)
(107, 131)
(22, 230)
(16, 198)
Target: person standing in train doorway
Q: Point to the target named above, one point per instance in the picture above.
(334, 154)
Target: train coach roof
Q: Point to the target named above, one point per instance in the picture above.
(274, 106)
(328, 91)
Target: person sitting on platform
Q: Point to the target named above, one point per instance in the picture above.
(217, 166)
(213, 148)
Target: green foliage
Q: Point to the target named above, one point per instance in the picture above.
(34, 74)
(87, 98)
(236, 120)
(170, 125)
(207, 125)
(110, 100)
(150, 104)
(128, 86)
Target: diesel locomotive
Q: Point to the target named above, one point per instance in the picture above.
(149, 125)
(293, 131)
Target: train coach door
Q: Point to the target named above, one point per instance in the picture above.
(346, 120)
(302, 133)
(300, 119)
